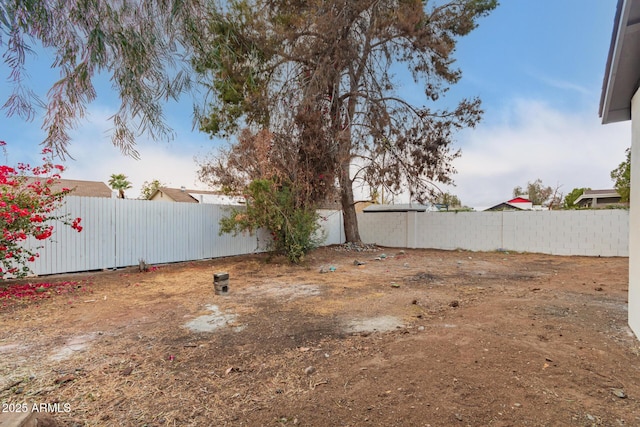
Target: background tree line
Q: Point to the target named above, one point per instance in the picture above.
(552, 198)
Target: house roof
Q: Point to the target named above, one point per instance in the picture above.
(216, 198)
(598, 194)
(405, 207)
(81, 188)
(514, 204)
(601, 193)
(177, 194)
(623, 64)
(196, 196)
(505, 206)
(519, 200)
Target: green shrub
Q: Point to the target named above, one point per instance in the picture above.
(274, 207)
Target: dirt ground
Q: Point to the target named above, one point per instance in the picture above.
(409, 338)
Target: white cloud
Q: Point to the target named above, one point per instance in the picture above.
(530, 140)
(533, 140)
(95, 158)
(561, 84)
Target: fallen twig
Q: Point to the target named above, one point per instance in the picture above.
(314, 385)
(12, 385)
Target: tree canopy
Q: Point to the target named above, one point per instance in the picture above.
(448, 199)
(120, 183)
(572, 196)
(621, 177)
(319, 77)
(143, 45)
(149, 188)
(540, 194)
(315, 79)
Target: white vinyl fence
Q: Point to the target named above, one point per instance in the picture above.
(119, 233)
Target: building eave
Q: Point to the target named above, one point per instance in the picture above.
(623, 62)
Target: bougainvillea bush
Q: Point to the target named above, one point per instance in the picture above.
(28, 204)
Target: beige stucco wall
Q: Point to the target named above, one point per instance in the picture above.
(634, 219)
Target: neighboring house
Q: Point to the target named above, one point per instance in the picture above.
(516, 204)
(166, 194)
(216, 198)
(620, 101)
(598, 199)
(403, 207)
(81, 188)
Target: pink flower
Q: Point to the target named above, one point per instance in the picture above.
(76, 224)
(36, 218)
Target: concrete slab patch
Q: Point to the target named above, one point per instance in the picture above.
(373, 324)
(216, 320)
(73, 345)
(8, 348)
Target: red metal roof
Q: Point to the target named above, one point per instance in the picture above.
(519, 200)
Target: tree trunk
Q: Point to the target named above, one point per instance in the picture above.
(350, 220)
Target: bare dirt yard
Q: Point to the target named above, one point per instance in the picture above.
(409, 338)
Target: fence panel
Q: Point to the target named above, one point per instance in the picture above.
(384, 228)
(582, 232)
(67, 250)
(119, 233)
(478, 231)
(331, 227)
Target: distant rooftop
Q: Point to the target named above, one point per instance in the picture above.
(197, 196)
(80, 188)
(404, 207)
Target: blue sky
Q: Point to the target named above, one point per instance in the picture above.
(537, 65)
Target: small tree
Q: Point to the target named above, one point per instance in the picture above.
(149, 188)
(273, 206)
(27, 209)
(448, 199)
(555, 200)
(539, 194)
(120, 183)
(570, 199)
(621, 176)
